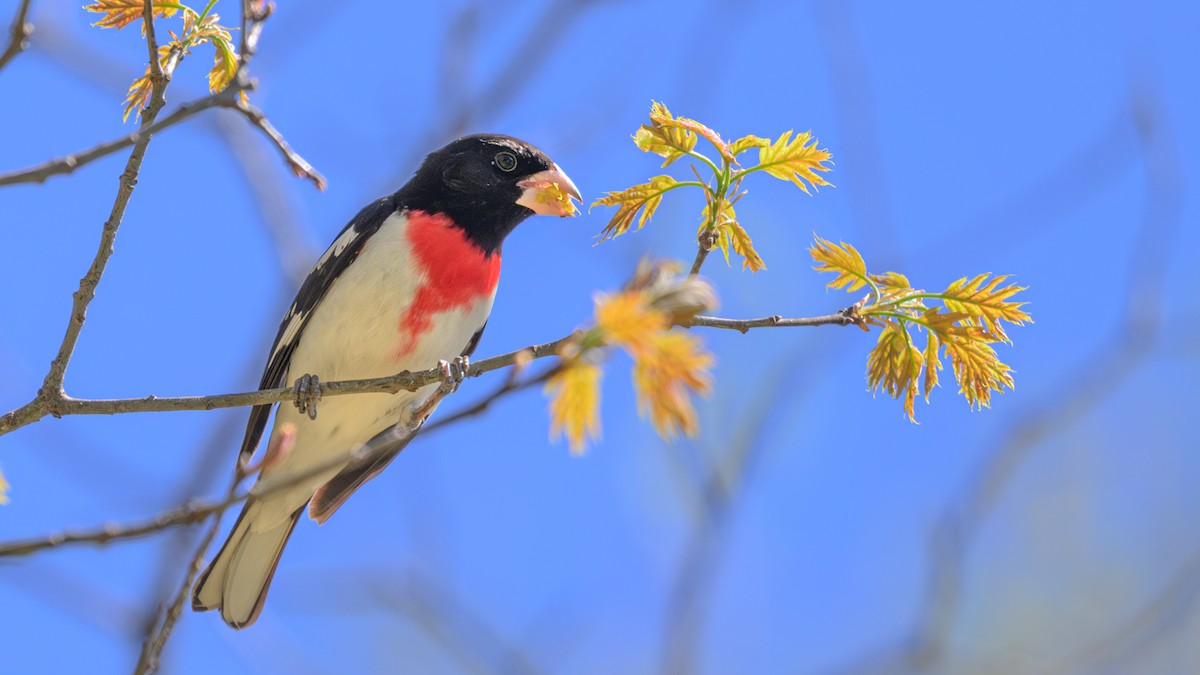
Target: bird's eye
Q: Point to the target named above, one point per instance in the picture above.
(506, 161)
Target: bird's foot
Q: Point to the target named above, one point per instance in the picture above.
(308, 392)
(453, 373)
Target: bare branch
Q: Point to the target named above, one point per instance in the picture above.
(510, 385)
(148, 660)
(188, 514)
(295, 162)
(69, 163)
(19, 34)
(391, 384)
(707, 241)
(843, 318)
(52, 386)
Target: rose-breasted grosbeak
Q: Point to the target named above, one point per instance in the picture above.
(408, 283)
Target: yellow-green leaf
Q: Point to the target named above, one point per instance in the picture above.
(746, 142)
(661, 117)
(225, 66)
(139, 92)
(841, 259)
(643, 198)
(3, 489)
(891, 280)
(121, 13)
(739, 239)
(795, 160)
(978, 370)
(668, 141)
(627, 319)
(673, 365)
(575, 403)
(933, 363)
(894, 366)
(987, 303)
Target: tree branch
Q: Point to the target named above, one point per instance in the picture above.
(18, 34)
(71, 162)
(52, 386)
(390, 384)
(295, 162)
(844, 317)
(52, 398)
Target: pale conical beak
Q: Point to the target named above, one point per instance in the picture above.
(549, 193)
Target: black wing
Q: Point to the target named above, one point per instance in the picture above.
(345, 248)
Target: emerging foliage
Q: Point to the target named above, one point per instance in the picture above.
(643, 199)
(3, 489)
(198, 29)
(121, 13)
(575, 402)
(967, 320)
(671, 137)
(795, 159)
(963, 328)
(668, 365)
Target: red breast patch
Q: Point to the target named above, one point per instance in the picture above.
(457, 273)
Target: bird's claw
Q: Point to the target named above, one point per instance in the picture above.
(308, 392)
(453, 373)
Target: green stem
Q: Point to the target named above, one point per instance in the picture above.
(704, 158)
(207, 9)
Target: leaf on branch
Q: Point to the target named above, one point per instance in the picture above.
(740, 239)
(139, 92)
(575, 403)
(892, 280)
(627, 319)
(792, 160)
(3, 489)
(731, 236)
(670, 142)
(225, 66)
(841, 259)
(933, 363)
(746, 142)
(986, 304)
(643, 198)
(894, 366)
(121, 13)
(661, 118)
(673, 365)
(978, 370)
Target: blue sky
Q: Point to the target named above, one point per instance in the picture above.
(1056, 143)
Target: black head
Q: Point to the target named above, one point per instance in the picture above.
(487, 184)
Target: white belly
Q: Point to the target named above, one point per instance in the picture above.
(355, 332)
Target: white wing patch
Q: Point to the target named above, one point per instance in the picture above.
(294, 322)
(335, 249)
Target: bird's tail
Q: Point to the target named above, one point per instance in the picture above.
(237, 579)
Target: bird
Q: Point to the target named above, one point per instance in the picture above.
(408, 284)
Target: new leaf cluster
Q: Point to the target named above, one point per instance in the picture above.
(962, 323)
(198, 28)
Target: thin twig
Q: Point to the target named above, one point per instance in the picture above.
(188, 514)
(706, 243)
(71, 162)
(295, 162)
(52, 386)
(510, 385)
(18, 34)
(156, 640)
(843, 318)
(390, 384)
(226, 98)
